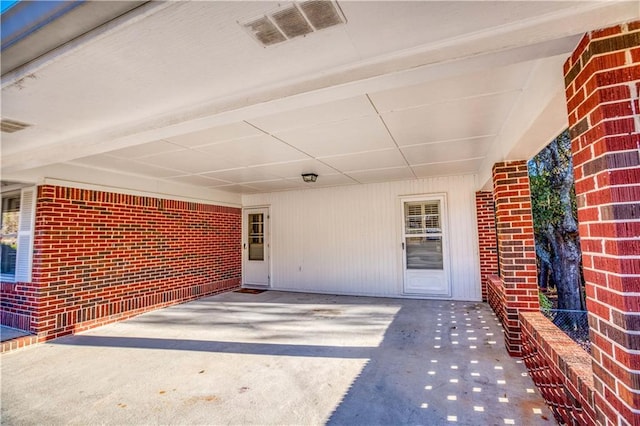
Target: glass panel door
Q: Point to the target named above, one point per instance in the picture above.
(424, 246)
(256, 236)
(255, 253)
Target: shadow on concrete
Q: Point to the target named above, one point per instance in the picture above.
(426, 370)
(426, 361)
(390, 388)
(347, 352)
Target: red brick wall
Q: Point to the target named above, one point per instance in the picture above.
(560, 368)
(602, 79)
(516, 246)
(101, 257)
(496, 296)
(487, 242)
(18, 304)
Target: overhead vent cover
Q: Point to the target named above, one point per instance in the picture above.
(294, 20)
(12, 126)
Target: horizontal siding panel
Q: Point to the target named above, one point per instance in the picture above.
(347, 240)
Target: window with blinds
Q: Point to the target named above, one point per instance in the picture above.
(422, 217)
(9, 234)
(423, 234)
(16, 237)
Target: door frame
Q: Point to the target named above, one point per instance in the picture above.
(244, 247)
(446, 263)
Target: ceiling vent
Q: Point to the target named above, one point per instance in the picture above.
(294, 20)
(12, 126)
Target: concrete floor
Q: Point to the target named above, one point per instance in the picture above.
(278, 358)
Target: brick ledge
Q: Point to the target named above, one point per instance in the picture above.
(18, 343)
(560, 368)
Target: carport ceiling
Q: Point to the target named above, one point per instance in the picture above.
(181, 92)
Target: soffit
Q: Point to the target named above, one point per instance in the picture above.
(183, 94)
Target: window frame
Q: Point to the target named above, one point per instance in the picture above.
(25, 233)
(6, 277)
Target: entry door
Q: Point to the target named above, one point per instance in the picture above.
(256, 247)
(425, 256)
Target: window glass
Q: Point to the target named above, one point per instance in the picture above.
(256, 236)
(423, 235)
(424, 253)
(422, 217)
(9, 234)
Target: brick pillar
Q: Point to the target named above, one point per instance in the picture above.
(516, 247)
(602, 79)
(487, 242)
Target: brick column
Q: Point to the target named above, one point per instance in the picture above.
(516, 247)
(602, 80)
(487, 242)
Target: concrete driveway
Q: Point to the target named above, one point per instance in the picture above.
(278, 358)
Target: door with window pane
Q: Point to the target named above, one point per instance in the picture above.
(256, 247)
(425, 246)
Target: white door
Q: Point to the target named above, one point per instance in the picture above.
(424, 245)
(255, 245)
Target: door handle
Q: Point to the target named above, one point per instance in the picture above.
(402, 246)
(245, 246)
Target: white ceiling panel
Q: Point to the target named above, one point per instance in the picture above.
(386, 26)
(294, 169)
(343, 109)
(127, 166)
(214, 135)
(243, 175)
(255, 150)
(199, 180)
(31, 137)
(382, 175)
(447, 151)
(145, 149)
(506, 79)
(185, 53)
(448, 169)
(439, 79)
(345, 137)
(366, 160)
(239, 189)
(458, 119)
(278, 185)
(331, 180)
(190, 161)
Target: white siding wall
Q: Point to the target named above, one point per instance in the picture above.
(347, 239)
